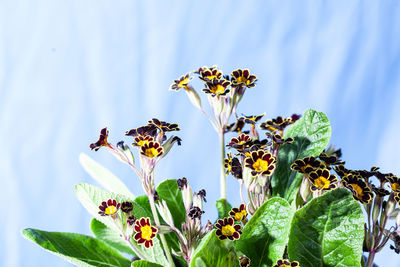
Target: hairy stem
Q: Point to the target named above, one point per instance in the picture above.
(371, 257)
(162, 237)
(223, 176)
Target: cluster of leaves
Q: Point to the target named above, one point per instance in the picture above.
(297, 212)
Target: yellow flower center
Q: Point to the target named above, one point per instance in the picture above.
(240, 215)
(211, 77)
(242, 79)
(183, 83)
(142, 142)
(322, 183)
(146, 232)
(217, 89)
(395, 187)
(357, 189)
(228, 230)
(110, 210)
(260, 165)
(151, 152)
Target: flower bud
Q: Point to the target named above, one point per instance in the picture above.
(391, 204)
(305, 188)
(193, 96)
(165, 212)
(187, 196)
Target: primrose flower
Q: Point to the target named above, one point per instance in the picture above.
(127, 206)
(359, 188)
(243, 78)
(145, 233)
(152, 149)
(321, 179)
(148, 130)
(240, 142)
(140, 140)
(394, 182)
(261, 162)
(306, 165)
(102, 140)
(164, 126)
(217, 87)
(182, 82)
(209, 74)
(227, 230)
(109, 208)
(276, 125)
(244, 261)
(397, 197)
(251, 119)
(381, 192)
(286, 263)
(239, 214)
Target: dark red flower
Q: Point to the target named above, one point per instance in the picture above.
(152, 149)
(242, 77)
(109, 208)
(239, 214)
(261, 162)
(226, 229)
(144, 232)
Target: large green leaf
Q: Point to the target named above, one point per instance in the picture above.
(103, 176)
(168, 190)
(110, 236)
(91, 197)
(328, 231)
(144, 264)
(214, 252)
(311, 134)
(266, 234)
(223, 208)
(79, 250)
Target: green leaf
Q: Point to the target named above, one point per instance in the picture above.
(214, 252)
(103, 176)
(328, 231)
(311, 134)
(109, 236)
(91, 197)
(79, 250)
(223, 208)
(168, 190)
(265, 236)
(144, 264)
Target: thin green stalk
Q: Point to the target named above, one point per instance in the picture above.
(162, 237)
(223, 176)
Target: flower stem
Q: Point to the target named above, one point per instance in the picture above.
(162, 237)
(223, 176)
(371, 257)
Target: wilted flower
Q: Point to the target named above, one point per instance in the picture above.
(127, 206)
(261, 162)
(144, 232)
(148, 130)
(109, 208)
(102, 140)
(226, 229)
(195, 212)
(239, 214)
(131, 220)
(381, 192)
(251, 119)
(276, 125)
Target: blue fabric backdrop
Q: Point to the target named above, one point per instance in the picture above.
(69, 68)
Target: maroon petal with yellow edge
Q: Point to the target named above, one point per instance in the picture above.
(227, 230)
(144, 232)
(261, 162)
(151, 150)
(102, 140)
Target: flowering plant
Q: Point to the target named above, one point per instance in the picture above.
(294, 211)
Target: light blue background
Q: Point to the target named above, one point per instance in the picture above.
(69, 68)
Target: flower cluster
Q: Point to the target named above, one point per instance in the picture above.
(256, 158)
(127, 222)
